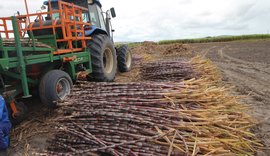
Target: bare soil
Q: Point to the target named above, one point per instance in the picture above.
(245, 65)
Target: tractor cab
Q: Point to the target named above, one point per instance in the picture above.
(100, 21)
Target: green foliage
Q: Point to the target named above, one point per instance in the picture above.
(130, 44)
(218, 39)
(134, 44)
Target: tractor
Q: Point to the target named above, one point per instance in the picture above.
(46, 52)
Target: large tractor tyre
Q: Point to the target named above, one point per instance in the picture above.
(104, 61)
(124, 58)
(54, 86)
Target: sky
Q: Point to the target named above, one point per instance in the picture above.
(155, 20)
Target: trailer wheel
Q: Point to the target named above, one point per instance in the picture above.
(54, 86)
(124, 58)
(104, 61)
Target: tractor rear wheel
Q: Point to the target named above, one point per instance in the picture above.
(54, 86)
(104, 61)
(124, 58)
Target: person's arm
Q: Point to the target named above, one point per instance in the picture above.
(5, 125)
(2, 105)
(4, 143)
(2, 140)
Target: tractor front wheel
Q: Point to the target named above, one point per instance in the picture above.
(124, 58)
(54, 86)
(104, 61)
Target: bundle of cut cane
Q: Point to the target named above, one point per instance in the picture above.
(177, 70)
(205, 69)
(188, 118)
(168, 71)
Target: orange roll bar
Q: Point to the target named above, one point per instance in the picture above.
(70, 22)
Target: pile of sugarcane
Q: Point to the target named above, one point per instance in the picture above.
(193, 117)
(177, 70)
(24, 43)
(168, 71)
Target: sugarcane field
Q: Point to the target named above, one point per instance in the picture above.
(134, 78)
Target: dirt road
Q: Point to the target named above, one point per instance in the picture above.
(246, 65)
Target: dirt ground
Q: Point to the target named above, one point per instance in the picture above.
(245, 65)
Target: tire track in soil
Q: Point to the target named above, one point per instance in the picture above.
(248, 73)
(249, 78)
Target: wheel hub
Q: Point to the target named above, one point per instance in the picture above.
(108, 60)
(62, 88)
(128, 59)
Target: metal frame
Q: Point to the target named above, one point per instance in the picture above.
(16, 59)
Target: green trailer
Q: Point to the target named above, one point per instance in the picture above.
(48, 55)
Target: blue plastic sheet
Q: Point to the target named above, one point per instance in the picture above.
(5, 125)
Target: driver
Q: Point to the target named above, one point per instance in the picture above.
(5, 127)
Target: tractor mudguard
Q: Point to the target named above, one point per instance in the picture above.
(5, 125)
(95, 30)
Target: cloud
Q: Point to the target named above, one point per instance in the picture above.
(159, 20)
(205, 14)
(197, 19)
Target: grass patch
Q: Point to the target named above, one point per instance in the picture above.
(218, 39)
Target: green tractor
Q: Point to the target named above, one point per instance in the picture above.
(49, 53)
